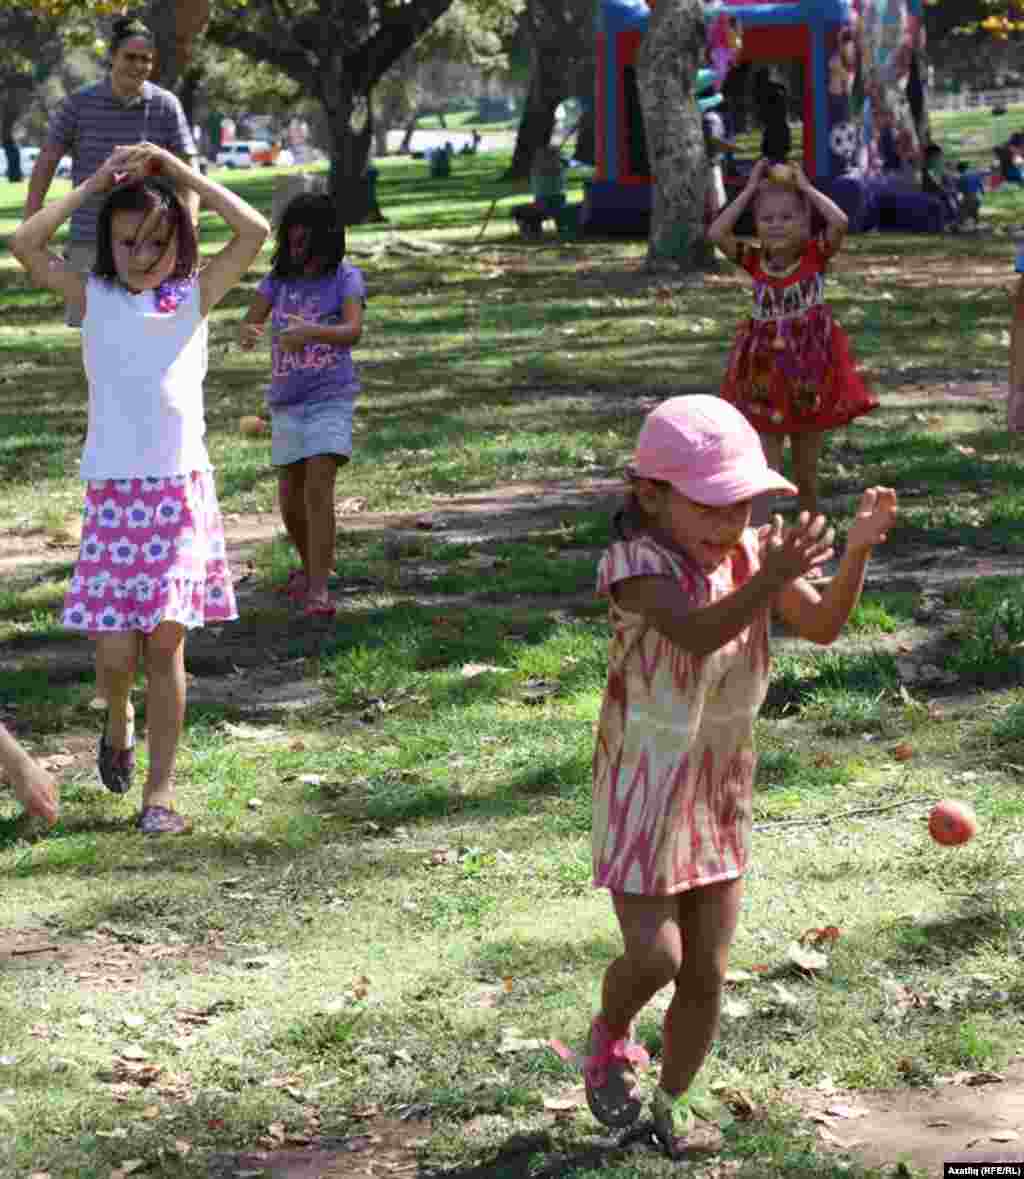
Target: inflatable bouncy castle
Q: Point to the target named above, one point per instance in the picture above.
(833, 40)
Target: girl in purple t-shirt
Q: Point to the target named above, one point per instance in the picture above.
(315, 303)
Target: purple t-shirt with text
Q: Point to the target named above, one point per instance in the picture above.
(319, 371)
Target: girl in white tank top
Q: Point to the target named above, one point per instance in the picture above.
(152, 564)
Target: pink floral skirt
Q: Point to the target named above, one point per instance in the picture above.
(152, 551)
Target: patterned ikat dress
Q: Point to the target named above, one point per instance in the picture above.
(674, 760)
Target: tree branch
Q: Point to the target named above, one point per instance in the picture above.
(398, 33)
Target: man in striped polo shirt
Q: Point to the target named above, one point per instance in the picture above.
(123, 109)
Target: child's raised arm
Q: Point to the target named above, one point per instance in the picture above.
(34, 788)
(836, 221)
(703, 629)
(250, 228)
(720, 230)
(250, 330)
(31, 241)
(821, 617)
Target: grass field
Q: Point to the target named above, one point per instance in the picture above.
(386, 906)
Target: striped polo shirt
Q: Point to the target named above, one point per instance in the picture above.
(90, 123)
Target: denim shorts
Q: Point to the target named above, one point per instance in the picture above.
(310, 428)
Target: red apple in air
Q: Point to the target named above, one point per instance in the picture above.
(951, 822)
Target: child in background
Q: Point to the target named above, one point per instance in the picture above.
(152, 561)
(690, 587)
(971, 186)
(33, 787)
(790, 371)
(1015, 415)
(315, 300)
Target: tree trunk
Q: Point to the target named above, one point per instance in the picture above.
(349, 183)
(174, 27)
(671, 52)
(547, 89)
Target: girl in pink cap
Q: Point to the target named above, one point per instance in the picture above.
(791, 370)
(690, 587)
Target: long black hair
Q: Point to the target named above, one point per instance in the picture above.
(142, 196)
(326, 244)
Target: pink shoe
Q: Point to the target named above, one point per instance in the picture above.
(608, 1070)
(295, 586)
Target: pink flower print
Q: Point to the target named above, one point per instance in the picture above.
(176, 481)
(78, 617)
(152, 484)
(122, 552)
(138, 515)
(109, 515)
(123, 485)
(77, 585)
(215, 593)
(92, 549)
(90, 511)
(144, 586)
(96, 586)
(185, 543)
(168, 511)
(155, 550)
(110, 618)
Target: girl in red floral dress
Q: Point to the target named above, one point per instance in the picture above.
(790, 371)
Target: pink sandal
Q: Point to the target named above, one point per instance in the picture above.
(319, 608)
(609, 1074)
(295, 586)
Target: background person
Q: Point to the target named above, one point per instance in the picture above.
(123, 109)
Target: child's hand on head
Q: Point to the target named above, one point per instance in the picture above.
(757, 173)
(293, 337)
(789, 553)
(875, 516)
(249, 335)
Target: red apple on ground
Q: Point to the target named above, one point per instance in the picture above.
(951, 822)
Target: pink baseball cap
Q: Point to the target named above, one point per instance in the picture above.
(707, 450)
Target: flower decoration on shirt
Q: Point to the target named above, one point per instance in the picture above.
(170, 293)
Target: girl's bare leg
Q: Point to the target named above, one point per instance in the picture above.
(165, 709)
(321, 475)
(707, 918)
(806, 456)
(291, 494)
(651, 957)
(117, 659)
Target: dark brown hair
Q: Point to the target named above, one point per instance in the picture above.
(143, 196)
(124, 29)
(326, 244)
(630, 520)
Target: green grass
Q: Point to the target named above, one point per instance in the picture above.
(386, 881)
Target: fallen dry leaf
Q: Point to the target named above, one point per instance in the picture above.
(183, 1148)
(804, 959)
(903, 752)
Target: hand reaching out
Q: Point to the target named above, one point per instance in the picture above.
(249, 335)
(789, 553)
(876, 514)
(293, 338)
